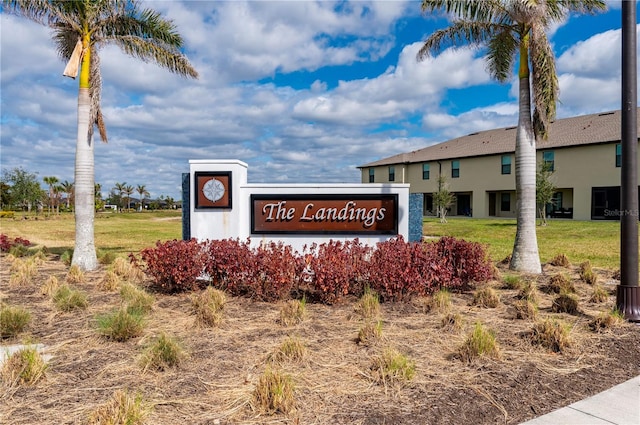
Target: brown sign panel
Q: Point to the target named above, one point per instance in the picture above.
(213, 190)
(325, 214)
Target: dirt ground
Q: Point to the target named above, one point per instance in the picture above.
(333, 382)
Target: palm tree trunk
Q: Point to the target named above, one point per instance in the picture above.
(525, 257)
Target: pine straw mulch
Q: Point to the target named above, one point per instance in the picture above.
(333, 382)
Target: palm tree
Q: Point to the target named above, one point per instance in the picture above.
(119, 188)
(143, 192)
(512, 28)
(128, 191)
(51, 181)
(80, 29)
(67, 188)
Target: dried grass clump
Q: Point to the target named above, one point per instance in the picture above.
(525, 310)
(560, 260)
(599, 294)
(441, 301)
(392, 367)
(565, 303)
(293, 312)
(25, 366)
(479, 343)
(529, 292)
(274, 392)
(50, 286)
(506, 260)
(105, 257)
(550, 334)
(22, 272)
(136, 299)
(291, 349)
(122, 408)
(13, 320)
(606, 321)
(452, 322)
(368, 306)
(559, 284)
(486, 297)
(511, 282)
(75, 275)
(110, 282)
(208, 306)
(68, 299)
(66, 257)
(120, 325)
(370, 333)
(126, 270)
(164, 352)
(587, 274)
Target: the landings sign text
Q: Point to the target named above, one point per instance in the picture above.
(322, 213)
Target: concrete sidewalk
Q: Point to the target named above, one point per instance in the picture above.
(619, 405)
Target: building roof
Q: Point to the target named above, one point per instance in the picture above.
(583, 130)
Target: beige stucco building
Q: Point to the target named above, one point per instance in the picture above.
(479, 169)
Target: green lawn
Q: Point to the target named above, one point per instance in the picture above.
(597, 241)
(122, 233)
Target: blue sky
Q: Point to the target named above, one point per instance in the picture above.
(302, 91)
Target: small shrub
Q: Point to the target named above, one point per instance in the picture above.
(19, 250)
(550, 334)
(50, 286)
(276, 272)
(105, 257)
(67, 299)
(565, 303)
(291, 349)
(110, 281)
(66, 257)
(560, 260)
(511, 282)
(368, 306)
(587, 274)
(599, 294)
(293, 312)
(164, 352)
(392, 367)
(174, 265)
(6, 243)
(136, 299)
(13, 320)
(122, 408)
(525, 309)
(452, 322)
(274, 392)
(208, 306)
(370, 333)
(559, 284)
(25, 366)
(606, 321)
(486, 297)
(75, 275)
(120, 325)
(481, 342)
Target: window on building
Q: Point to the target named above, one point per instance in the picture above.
(455, 169)
(548, 158)
(425, 171)
(372, 175)
(618, 155)
(505, 202)
(506, 164)
(392, 173)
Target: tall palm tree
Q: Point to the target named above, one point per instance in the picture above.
(80, 29)
(143, 192)
(128, 191)
(67, 188)
(51, 181)
(508, 29)
(119, 188)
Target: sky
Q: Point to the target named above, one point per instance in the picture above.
(302, 91)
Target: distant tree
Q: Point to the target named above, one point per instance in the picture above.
(25, 190)
(442, 199)
(99, 203)
(119, 189)
(170, 202)
(544, 190)
(128, 191)
(143, 192)
(4, 194)
(67, 188)
(51, 181)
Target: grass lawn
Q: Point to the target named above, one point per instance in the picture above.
(597, 241)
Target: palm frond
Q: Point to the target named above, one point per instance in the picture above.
(544, 81)
(503, 50)
(161, 54)
(472, 10)
(460, 33)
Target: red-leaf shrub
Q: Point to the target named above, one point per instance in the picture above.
(401, 270)
(231, 265)
(337, 269)
(277, 269)
(174, 265)
(6, 243)
(467, 262)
